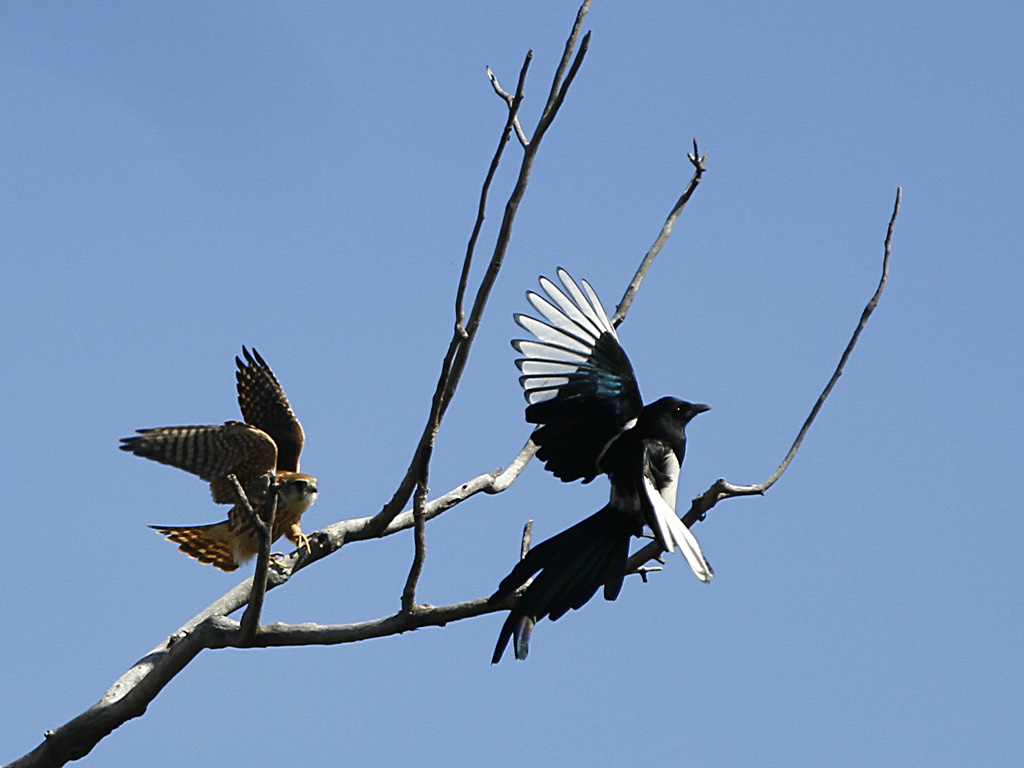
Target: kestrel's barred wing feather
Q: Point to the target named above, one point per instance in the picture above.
(212, 452)
(264, 405)
(577, 379)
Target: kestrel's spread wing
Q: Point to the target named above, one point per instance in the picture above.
(213, 452)
(270, 440)
(264, 406)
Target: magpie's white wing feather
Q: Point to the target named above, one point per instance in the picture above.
(554, 337)
(599, 311)
(552, 354)
(545, 367)
(566, 317)
(589, 305)
(576, 311)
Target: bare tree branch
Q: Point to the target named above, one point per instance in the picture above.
(462, 342)
(722, 489)
(226, 630)
(131, 694)
(513, 120)
(264, 522)
(420, 539)
(558, 89)
(335, 536)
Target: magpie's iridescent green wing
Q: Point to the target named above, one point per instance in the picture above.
(578, 382)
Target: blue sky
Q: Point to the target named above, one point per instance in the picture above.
(178, 180)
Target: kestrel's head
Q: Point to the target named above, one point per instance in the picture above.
(296, 490)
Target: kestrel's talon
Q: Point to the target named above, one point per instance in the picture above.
(295, 534)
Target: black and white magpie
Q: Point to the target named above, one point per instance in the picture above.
(590, 419)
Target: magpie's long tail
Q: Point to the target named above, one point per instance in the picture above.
(572, 565)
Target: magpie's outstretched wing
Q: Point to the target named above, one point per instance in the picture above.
(578, 382)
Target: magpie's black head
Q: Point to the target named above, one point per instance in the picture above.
(666, 419)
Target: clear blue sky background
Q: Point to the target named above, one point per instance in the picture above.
(178, 180)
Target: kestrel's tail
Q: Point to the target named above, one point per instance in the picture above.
(206, 543)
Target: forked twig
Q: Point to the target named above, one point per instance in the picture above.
(458, 351)
(509, 99)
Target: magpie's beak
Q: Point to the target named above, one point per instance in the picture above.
(699, 408)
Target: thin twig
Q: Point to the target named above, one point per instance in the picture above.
(450, 368)
(524, 548)
(514, 103)
(554, 102)
(420, 554)
(549, 113)
(762, 487)
(643, 570)
(243, 502)
(450, 373)
(698, 161)
(510, 100)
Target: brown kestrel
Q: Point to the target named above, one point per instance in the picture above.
(269, 440)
